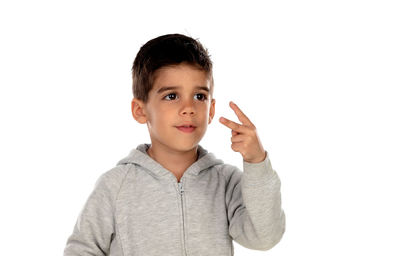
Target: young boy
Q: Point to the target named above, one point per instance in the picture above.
(173, 197)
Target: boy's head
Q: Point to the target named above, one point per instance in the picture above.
(165, 50)
(173, 60)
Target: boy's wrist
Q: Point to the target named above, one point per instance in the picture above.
(258, 160)
(258, 172)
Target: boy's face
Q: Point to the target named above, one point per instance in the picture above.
(167, 109)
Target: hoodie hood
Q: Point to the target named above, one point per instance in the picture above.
(140, 157)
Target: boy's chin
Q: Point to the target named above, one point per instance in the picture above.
(184, 145)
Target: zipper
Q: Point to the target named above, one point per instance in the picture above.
(180, 185)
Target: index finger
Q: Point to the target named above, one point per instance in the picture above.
(233, 125)
(242, 117)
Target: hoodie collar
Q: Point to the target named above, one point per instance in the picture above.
(140, 157)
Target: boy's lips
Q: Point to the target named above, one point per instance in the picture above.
(188, 128)
(186, 125)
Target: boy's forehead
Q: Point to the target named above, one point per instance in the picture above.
(176, 71)
(176, 82)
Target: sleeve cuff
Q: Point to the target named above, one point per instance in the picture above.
(258, 172)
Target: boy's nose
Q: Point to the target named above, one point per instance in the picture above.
(187, 108)
(189, 112)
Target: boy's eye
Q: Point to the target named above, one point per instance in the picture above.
(202, 98)
(170, 95)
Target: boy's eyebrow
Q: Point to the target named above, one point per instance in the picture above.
(163, 89)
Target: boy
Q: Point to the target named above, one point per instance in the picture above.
(173, 197)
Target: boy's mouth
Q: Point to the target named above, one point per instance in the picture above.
(186, 128)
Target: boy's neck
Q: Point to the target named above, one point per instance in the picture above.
(174, 161)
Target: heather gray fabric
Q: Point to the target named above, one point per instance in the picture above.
(137, 209)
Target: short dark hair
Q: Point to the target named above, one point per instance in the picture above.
(167, 50)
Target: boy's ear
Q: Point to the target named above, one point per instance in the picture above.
(138, 111)
(212, 111)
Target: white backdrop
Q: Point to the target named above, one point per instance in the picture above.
(319, 79)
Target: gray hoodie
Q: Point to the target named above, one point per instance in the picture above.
(139, 209)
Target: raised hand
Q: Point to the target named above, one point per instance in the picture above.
(244, 138)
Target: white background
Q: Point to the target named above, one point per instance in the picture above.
(319, 79)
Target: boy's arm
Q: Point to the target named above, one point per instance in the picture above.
(94, 229)
(256, 219)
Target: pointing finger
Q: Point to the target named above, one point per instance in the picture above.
(242, 117)
(233, 125)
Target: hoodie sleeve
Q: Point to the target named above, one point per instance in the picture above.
(94, 228)
(256, 219)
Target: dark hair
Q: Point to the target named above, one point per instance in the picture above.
(167, 50)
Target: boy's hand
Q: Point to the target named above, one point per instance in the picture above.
(244, 137)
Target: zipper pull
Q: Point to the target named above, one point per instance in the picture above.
(180, 187)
